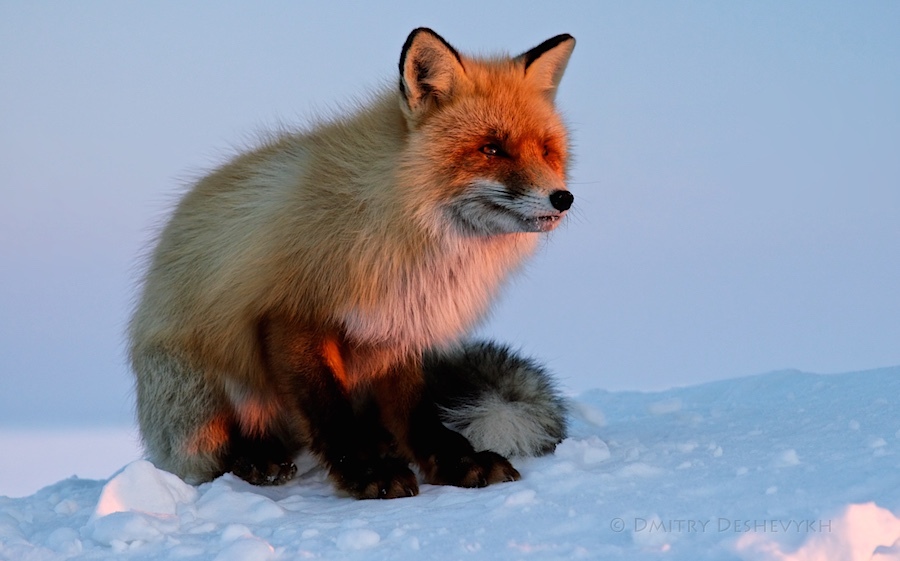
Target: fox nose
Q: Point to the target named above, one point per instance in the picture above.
(561, 200)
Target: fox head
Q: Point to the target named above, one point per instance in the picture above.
(486, 133)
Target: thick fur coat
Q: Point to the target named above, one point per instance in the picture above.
(295, 290)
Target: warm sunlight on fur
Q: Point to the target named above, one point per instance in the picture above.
(292, 278)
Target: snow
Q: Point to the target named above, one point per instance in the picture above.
(784, 466)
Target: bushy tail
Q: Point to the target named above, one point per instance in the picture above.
(497, 399)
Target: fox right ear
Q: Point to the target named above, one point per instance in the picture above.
(429, 70)
(545, 64)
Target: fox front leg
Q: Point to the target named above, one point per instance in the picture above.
(310, 371)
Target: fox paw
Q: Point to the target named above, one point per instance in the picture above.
(479, 469)
(386, 479)
(264, 473)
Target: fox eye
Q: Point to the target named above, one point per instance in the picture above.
(491, 150)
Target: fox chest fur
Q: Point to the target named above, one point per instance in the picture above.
(432, 302)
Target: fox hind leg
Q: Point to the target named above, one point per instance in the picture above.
(185, 422)
(189, 427)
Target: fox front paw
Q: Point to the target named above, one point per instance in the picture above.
(264, 473)
(478, 469)
(383, 479)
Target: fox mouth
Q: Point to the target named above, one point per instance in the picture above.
(533, 223)
(548, 222)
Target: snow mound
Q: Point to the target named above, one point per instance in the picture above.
(143, 488)
(863, 532)
(779, 467)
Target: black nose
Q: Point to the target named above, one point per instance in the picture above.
(561, 200)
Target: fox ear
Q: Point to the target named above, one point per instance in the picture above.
(429, 70)
(545, 64)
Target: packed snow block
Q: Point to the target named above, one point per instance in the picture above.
(357, 539)
(120, 530)
(586, 453)
(138, 505)
(247, 549)
(141, 487)
(223, 502)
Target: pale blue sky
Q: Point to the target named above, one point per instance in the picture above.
(737, 176)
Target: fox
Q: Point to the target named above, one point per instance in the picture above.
(318, 292)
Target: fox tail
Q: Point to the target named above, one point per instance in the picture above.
(497, 399)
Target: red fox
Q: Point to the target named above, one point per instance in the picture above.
(315, 293)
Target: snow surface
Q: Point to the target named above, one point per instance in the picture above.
(784, 466)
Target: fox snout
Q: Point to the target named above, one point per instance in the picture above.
(489, 207)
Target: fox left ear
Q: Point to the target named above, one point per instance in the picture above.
(430, 70)
(545, 64)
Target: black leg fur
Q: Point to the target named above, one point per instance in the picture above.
(351, 443)
(359, 451)
(352, 449)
